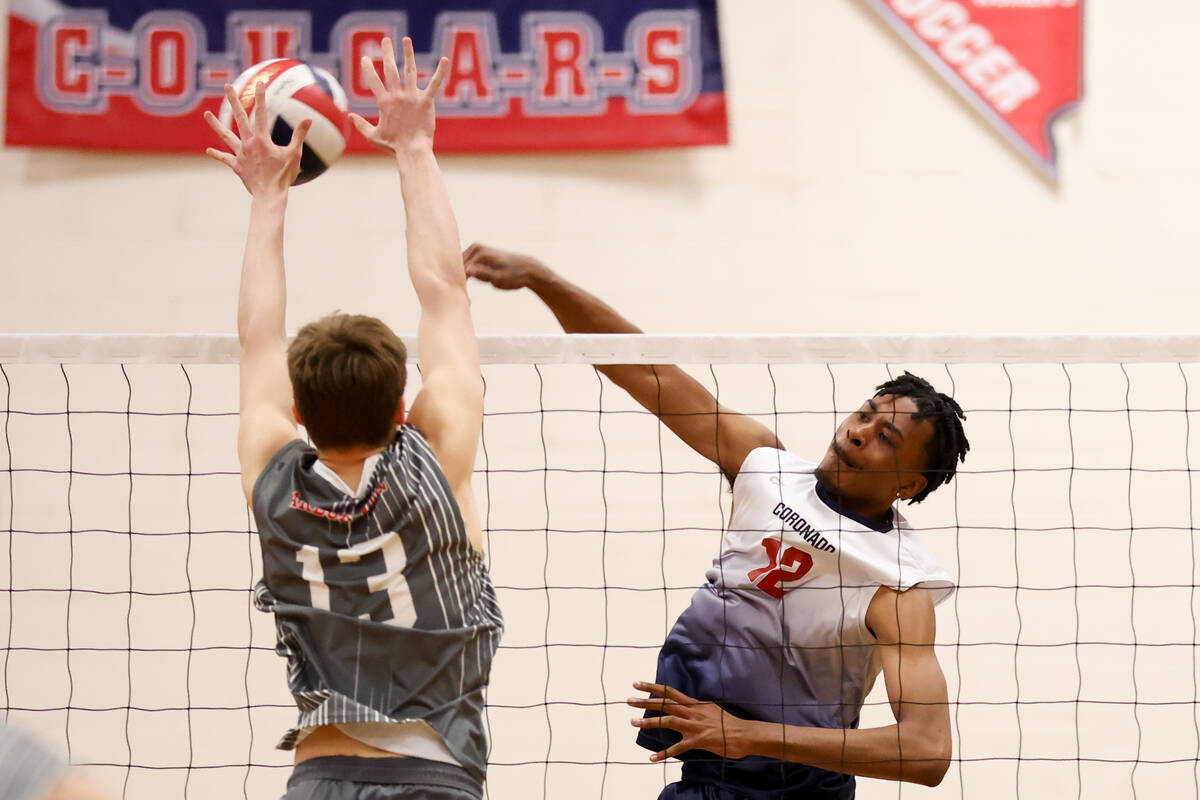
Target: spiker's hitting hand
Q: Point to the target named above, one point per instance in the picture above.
(406, 112)
(501, 269)
(264, 167)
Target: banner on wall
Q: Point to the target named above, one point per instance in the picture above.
(1019, 62)
(524, 74)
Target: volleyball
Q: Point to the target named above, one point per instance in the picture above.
(297, 91)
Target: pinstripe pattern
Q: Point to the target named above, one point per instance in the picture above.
(353, 661)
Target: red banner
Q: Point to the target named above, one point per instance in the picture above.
(532, 76)
(1019, 62)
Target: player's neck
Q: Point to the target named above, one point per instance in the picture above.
(871, 514)
(348, 464)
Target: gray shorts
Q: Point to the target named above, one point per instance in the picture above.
(352, 778)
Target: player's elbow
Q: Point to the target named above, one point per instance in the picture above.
(929, 755)
(936, 765)
(934, 771)
(439, 285)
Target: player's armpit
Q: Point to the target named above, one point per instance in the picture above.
(904, 626)
(721, 435)
(262, 431)
(265, 421)
(448, 411)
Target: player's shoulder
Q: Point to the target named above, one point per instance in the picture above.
(282, 462)
(408, 441)
(412, 449)
(763, 463)
(918, 563)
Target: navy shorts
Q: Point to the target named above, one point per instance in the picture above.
(691, 790)
(353, 778)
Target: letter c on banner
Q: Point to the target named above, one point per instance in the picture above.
(943, 22)
(71, 78)
(68, 51)
(966, 44)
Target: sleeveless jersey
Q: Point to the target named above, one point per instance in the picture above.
(779, 631)
(383, 609)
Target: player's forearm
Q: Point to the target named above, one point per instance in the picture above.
(434, 255)
(664, 390)
(895, 753)
(577, 310)
(262, 297)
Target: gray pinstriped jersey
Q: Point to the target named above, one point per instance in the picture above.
(384, 610)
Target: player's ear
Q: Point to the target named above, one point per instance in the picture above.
(913, 484)
(296, 415)
(400, 413)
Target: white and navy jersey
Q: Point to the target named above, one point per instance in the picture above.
(384, 610)
(779, 631)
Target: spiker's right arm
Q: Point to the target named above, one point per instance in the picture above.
(722, 436)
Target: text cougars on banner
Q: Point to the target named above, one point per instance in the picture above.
(602, 74)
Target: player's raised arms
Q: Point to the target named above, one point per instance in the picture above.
(267, 171)
(449, 407)
(722, 436)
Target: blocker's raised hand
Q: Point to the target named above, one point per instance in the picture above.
(264, 167)
(704, 725)
(406, 113)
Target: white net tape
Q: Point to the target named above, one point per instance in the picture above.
(126, 559)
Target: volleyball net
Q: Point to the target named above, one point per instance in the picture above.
(127, 556)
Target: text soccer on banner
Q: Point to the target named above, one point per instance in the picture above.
(602, 74)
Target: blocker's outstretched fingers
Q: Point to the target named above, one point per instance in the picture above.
(220, 155)
(227, 136)
(373, 82)
(298, 134)
(239, 113)
(390, 71)
(361, 125)
(260, 109)
(410, 62)
(439, 75)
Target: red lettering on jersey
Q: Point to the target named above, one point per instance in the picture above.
(374, 498)
(664, 62)
(324, 513)
(69, 79)
(562, 57)
(467, 66)
(790, 565)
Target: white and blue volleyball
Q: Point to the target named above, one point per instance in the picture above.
(297, 91)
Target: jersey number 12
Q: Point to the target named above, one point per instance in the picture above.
(791, 564)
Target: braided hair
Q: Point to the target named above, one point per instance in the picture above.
(948, 445)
